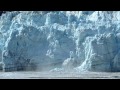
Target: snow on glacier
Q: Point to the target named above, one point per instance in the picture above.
(60, 40)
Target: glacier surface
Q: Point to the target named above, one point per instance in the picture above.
(60, 40)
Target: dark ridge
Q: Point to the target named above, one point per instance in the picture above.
(1, 12)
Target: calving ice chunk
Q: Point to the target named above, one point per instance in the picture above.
(62, 40)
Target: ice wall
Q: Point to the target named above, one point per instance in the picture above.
(44, 40)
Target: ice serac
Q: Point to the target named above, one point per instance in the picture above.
(69, 40)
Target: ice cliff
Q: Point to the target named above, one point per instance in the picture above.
(72, 40)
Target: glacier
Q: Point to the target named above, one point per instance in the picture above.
(60, 40)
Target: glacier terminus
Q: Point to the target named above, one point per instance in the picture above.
(60, 40)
